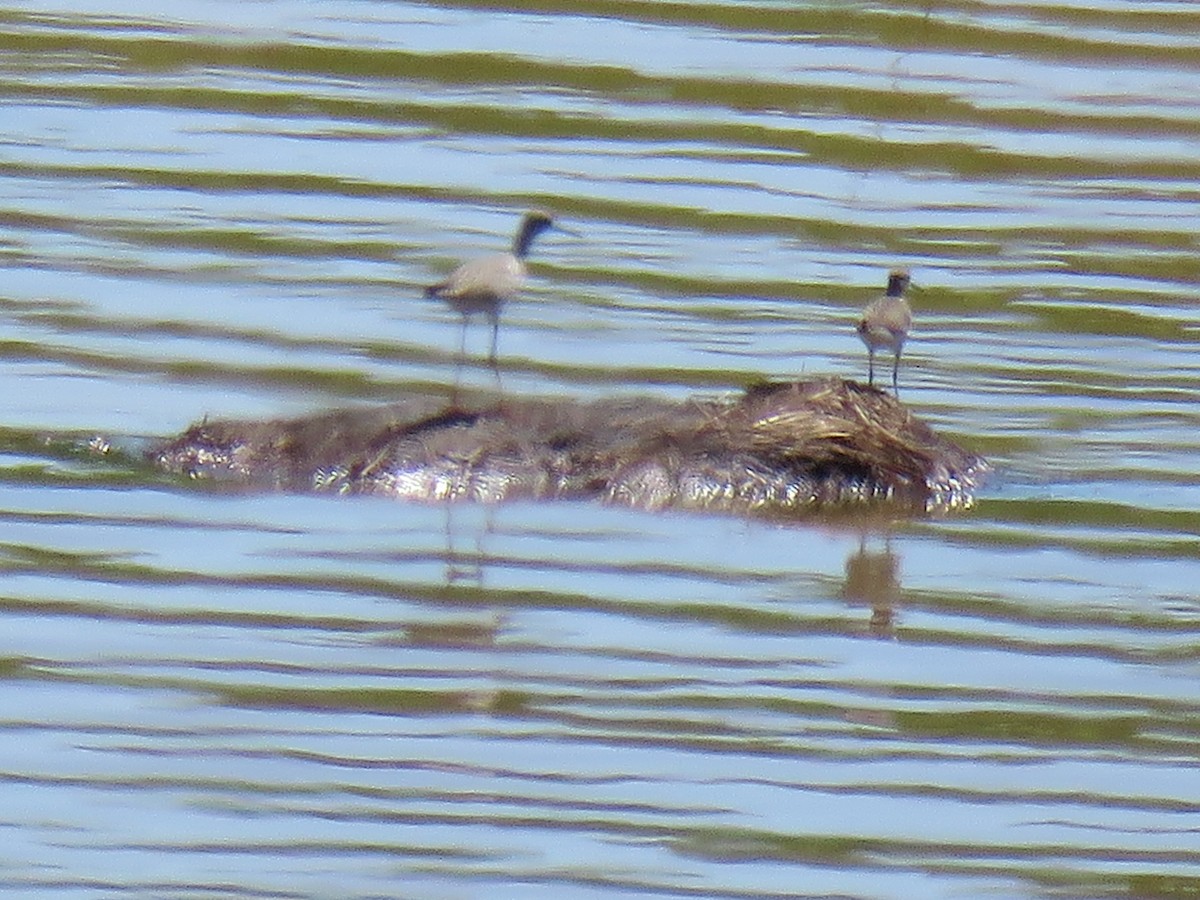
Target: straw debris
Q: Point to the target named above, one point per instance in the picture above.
(782, 447)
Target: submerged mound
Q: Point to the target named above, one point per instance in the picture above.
(780, 447)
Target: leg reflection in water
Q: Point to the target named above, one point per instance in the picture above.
(873, 579)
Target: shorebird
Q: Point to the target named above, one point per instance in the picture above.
(484, 285)
(885, 323)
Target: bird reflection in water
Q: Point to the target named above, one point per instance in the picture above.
(467, 566)
(872, 579)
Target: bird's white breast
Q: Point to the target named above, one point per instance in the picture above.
(486, 281)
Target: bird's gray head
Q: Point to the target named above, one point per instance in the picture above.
(897, 282)
(533, 223)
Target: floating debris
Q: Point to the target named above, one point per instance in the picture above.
(778, 447)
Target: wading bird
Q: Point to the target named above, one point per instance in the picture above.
(484, 285)
(885, 323)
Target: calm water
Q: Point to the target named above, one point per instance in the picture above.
(230, 209)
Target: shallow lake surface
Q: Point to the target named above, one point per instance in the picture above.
(230, 210)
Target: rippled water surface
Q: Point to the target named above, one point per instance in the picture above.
(230, 209)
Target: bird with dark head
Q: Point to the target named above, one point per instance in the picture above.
(484, 285)
(885, 324)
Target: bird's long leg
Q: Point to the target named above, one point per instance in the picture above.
(499, 383)
(895, 373)
(494, 316)
(458, 363)
(871, 366)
